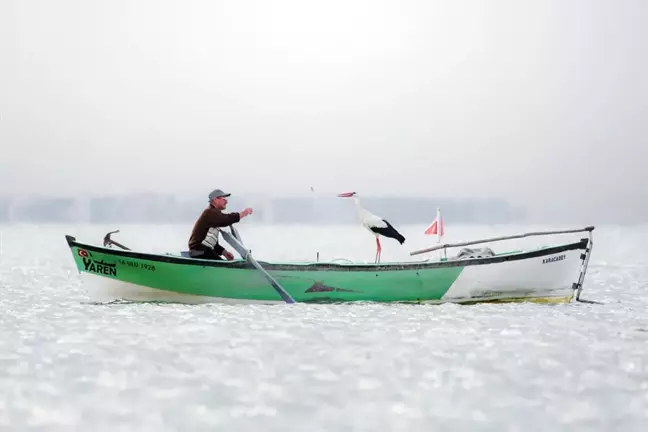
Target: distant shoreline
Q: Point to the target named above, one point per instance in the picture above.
(165, 209)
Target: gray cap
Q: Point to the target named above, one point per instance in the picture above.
(217, 193)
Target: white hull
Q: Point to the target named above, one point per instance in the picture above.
(546, 277)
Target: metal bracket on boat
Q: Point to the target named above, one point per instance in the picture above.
(578, 286)
(107, 241)
(342, 259)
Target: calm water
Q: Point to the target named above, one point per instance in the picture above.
(66, 364)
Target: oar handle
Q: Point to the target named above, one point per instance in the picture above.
(236, 234)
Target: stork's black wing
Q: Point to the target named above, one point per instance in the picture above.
(389, 231)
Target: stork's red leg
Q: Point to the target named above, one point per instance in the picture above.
(378, 250)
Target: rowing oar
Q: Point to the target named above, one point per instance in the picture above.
(236, 234)
(247, 255)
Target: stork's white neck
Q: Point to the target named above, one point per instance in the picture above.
(359, 210)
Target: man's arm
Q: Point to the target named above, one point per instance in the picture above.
(220, 220)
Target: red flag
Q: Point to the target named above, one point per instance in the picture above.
(436, 227)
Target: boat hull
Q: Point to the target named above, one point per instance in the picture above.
(544, 275)
(103, 289)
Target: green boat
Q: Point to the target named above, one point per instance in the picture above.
(548, 274)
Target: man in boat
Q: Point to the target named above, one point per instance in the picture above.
(203, 242)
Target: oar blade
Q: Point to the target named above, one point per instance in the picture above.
(245, 254)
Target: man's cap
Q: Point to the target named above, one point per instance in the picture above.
(217, 193)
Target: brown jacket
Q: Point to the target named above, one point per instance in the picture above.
(211, 218)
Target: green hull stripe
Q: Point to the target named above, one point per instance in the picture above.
(248, 284)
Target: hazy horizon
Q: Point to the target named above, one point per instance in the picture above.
(543, 104)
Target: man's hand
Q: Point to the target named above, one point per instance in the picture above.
(247, 211)
(228, 255)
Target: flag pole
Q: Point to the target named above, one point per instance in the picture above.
(436, 227)
(439, 226)
(439, 229)
(433, 228)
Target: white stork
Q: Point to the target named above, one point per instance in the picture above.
(375, 224)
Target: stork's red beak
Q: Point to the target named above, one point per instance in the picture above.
(346, 194)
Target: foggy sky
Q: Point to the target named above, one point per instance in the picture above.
(544, 103)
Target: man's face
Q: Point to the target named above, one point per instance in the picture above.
(220, 203)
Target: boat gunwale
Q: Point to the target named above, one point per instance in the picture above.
(329, 266)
